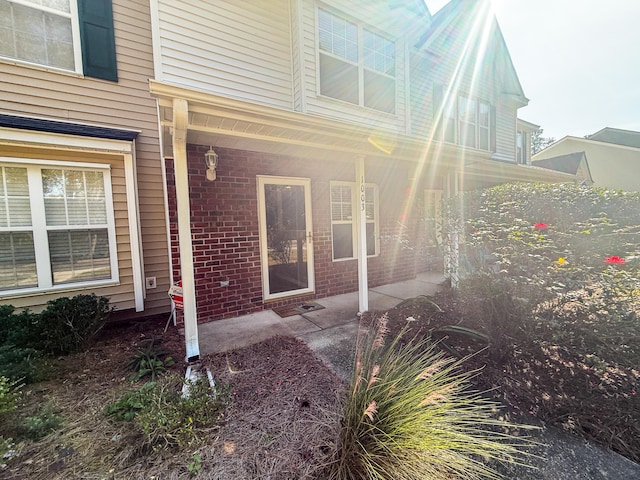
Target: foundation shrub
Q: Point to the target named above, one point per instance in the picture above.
(542, 258)
(552, 273)
(25, 364)
(70, 325)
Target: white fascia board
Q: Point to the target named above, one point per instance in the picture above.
(63, 141)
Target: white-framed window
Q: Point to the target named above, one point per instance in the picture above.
(465, 121)
(57, 225)
(71, 35)
(43, 32)
(521, 149)
(356, 64)
(344, 201)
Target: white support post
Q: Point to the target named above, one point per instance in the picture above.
(452, 256)
(180, 127)
(361, 228)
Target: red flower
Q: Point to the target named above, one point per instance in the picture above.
(614, 260)
(540, 226)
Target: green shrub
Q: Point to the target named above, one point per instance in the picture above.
(166, 418)
(539, 256)
(66, 325)
(25, 364)
(409, 415)
(69, 325)
(20, 330)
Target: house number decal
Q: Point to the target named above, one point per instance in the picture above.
(362, 196)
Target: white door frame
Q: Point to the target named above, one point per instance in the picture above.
(262, 221)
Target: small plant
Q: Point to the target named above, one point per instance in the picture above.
(150, 360)
(8, 394)
(9, 391)
(42, 424)
(131, 403)
(195, 465)
(408, 415)
(166, 417)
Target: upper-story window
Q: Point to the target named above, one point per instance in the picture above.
(465, 121)
(71, 35)
(357, 65)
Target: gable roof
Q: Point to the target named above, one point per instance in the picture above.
(464, 17)
(618, 136)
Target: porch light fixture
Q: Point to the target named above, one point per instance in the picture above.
(211, 162)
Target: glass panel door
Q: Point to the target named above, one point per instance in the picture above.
(285, 236)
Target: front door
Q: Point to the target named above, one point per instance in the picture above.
(285, 236)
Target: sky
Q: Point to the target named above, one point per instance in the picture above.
(578, 61)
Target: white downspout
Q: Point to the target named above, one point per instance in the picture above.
(180, 127)
(361, 228)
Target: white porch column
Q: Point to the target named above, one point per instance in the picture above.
(361, 228)
(180, 127)
(452, 257)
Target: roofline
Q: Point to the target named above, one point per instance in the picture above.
(528, 124)
(40, 124)
(588, 141)
(614, 129)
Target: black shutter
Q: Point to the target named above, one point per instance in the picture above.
(97, 39)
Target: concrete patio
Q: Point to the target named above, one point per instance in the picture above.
(337, 322)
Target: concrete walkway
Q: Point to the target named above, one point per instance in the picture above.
(331, 331)
(335, 322)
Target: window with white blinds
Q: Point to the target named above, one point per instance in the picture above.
(343, 225)
(56, 226)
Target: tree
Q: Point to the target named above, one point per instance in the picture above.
(538, 142)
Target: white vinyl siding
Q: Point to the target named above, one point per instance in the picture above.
(234, 49)
(56, 226)
(343, 225)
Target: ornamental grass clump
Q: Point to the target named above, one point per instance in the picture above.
(409, 415)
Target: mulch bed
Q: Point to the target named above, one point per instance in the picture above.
(538, 380)
(280, 421)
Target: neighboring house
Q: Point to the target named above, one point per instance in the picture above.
(81, 182)
(301, 136)
(608, 158)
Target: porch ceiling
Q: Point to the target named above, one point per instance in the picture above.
(230, 123)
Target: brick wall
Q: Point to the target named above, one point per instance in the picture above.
(224, 222)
